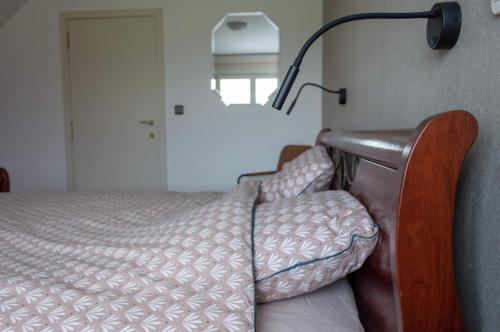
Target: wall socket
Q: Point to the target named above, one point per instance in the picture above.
(495, 7)
(179, 109)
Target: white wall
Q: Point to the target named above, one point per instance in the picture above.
(207, 147)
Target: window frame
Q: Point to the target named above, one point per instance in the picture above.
(253, 79)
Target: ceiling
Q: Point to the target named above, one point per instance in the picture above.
(8, 8)
(261, 36)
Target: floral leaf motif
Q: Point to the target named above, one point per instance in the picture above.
(18, 315)
(235, 281)
(56, 314)
(270, 243)
(8, 305)
(213, 312)
(184, 276)
(234, 302)
(283, 287)
(150, 323)
(129, 287)
(218, 271)
(142, 296)
(168, 269)
(185, 258)
(215, 292)
(173, 312)
(110, 323)
(287, 246)
(156, 304)
(297, 273)
(269, 229)
(191, 322)
(274, 262)
(44, 305)
(4, 293)
(235, 260)
(201, 264)
(125, 329)
(322, 234)
(307, 249)
(115, 281)
(199, 284)
(133, 314)
(203, 247)
(218, 253)
(232, 322)
(95, 313)
(33, 295)
(31, 324)
(211, 328)
(220, 237)
(118, 304)
(83, 303)
(178, 293)
(169, 328)
(70, 324)
(302, 231)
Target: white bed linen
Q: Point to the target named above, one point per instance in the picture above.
(331, 308)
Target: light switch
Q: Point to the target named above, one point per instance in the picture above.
(495, 7)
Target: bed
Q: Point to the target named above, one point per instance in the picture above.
(405, 178)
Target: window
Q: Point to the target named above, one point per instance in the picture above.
(246, 58)
(244, 90)
(264, 88)
(235, 90)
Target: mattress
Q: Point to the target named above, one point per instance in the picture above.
(331, 308)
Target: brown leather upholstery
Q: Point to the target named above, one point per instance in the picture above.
(4, 181)
(288, 153)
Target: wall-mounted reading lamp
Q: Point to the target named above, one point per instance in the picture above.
(443, 28)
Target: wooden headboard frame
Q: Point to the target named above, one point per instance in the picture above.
(407, 180)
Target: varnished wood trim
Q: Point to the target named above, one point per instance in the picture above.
(423, 241)
(407, 181)
(386, 149)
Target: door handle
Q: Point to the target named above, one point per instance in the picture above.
(148, 122)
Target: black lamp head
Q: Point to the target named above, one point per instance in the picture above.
(443, 29)
(284, 90)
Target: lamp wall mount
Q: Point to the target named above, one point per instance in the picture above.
(342, 96)
(444, 29)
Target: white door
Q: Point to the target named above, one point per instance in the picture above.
(115, 74)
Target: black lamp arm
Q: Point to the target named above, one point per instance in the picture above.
(443, 29)
(359, 17)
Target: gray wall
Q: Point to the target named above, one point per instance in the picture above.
(395, 80)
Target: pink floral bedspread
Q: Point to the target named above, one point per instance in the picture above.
(127, 262)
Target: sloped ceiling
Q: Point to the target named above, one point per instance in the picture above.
(8, 8)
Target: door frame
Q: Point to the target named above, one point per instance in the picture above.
(64, 18)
